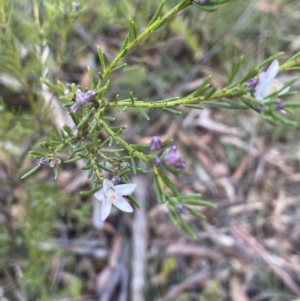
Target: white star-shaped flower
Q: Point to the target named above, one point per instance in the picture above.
(268, 84)
(110, 195)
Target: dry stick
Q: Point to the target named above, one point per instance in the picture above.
(140, 240)
(267, 257)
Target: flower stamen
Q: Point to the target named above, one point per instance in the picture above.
(111, 195)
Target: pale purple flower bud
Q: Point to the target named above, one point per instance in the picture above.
(90, 95)
(157, 161)
(81, 98)
(74, 109)
(180, 165)
(173, 159)
(204, 1)
(116, 180)
(251, 83)
(126, 164)
(42, 162)
(181, 209)
(172, 156)
(155, 144)
(279, 106)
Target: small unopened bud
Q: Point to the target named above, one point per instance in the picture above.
(116, 180)
(52, 164)
(81, 99)
(74, 109)
(90, 95)
(173, 159)
(181, 209)
(279, 106)
(157, 161)
(251, 83)
(42, 162)
(126, 165)
(155, 144)
(204, 1)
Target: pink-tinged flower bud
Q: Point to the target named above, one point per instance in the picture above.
(279, 106)
(74, 109)
(52, 164)
(155, 144)
(90, 95)
(116, 180)
(43, 161)
(157, 161)
(173, 159)
(251, 83)
(126, 165)
(204, 1)
(181, 209)
(81, 98)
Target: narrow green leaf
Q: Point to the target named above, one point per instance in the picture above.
(186, 227)
(101, 166)
(30, 172)
(108, 118)
(37, 154)
(72, 160)
(157, 13)
(235, 70)
(173, 216)
(91, 191)
(91, 77)
(211, 92)
(84, 120)
(134, 201)
(205, 84)
(123, 49)
(68, 130)
(169, 183)
(282, 119)
(90, 172)
(292, 104)
(53, 87)
(159, 195)
(101, 58)
(172, 111)
(205, 8)
(118, 68)
(143, 113)
(132, 30)
(55, 171)
(194, 106)
(196, 213)
(199, 203)
(133, 165)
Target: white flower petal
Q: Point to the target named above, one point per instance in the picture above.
(107, 184)
(272, 71)
(97, 222)
(99, 195)
(105, 209)
(123, 205)
(124, 189)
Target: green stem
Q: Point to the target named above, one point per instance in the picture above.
(183, 4)
(120, 141)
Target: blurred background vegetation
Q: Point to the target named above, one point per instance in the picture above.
(247, 249)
